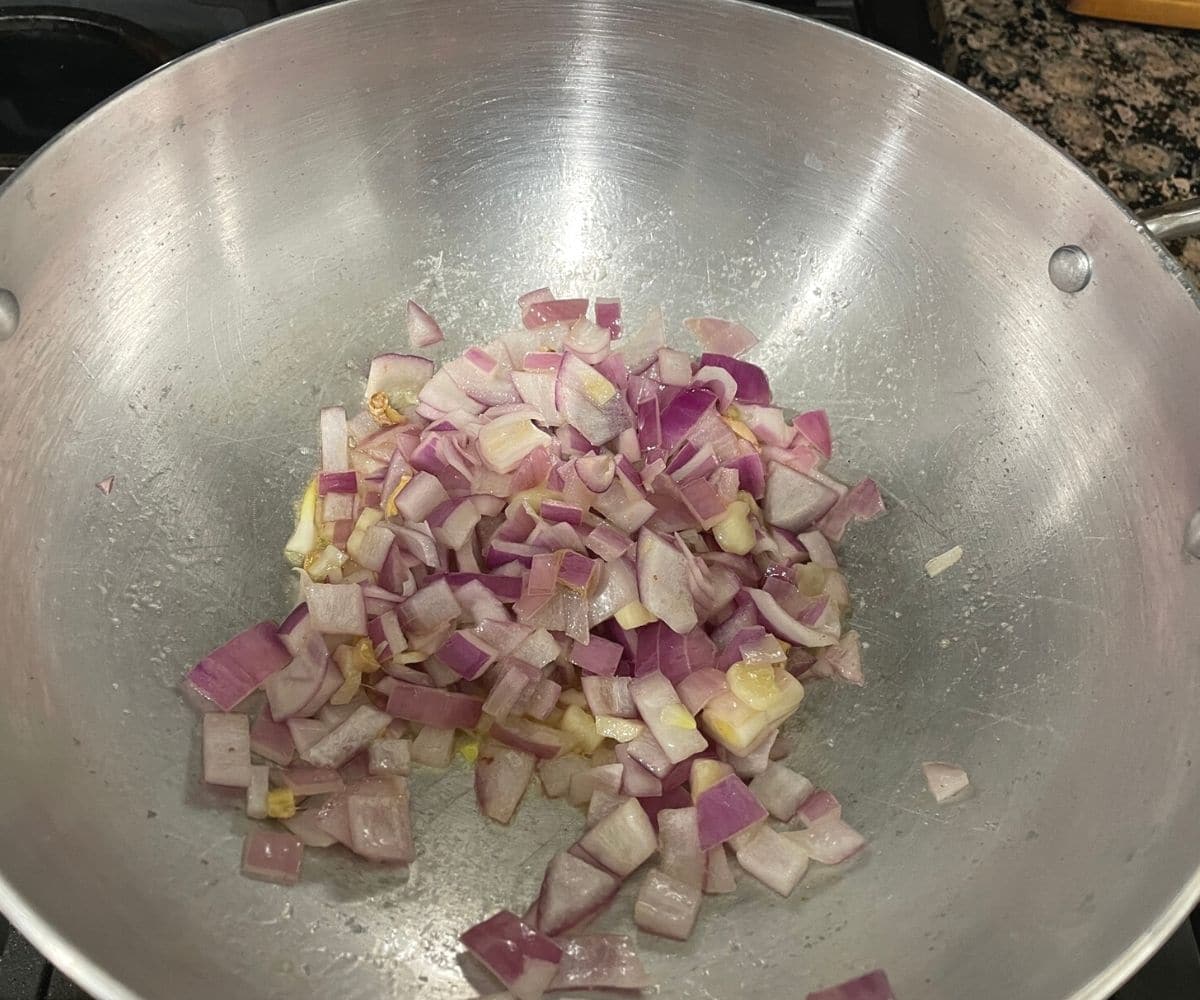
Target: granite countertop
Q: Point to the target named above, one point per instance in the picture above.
(1122, 99)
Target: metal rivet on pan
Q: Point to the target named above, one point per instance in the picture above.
(1191, 536)
(10, 314)
(1070, 268)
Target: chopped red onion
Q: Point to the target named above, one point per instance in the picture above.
(781, 790)
(466, 654)
(718, 876)
(622, 840)
(944, 780)
(389, 756)
(660, 568)
(680, 855)
(590, 403)
(557, 773)
(600, 961)
(721, 336)
(310, 780)
(226, 741)
(231, 672)
(699, 687)
(377, 813)
(585, 783)
(673, 726)
(793, 499)
(635, 779)
(777, 862)
(304, 827)
(399, 376)
(872, 986)
(829, 841)
(784, 625)
(599, 656)
(523, 959)
(337, 482)
(609, 696)
(433, 746)
(666, 906)
(271, 739)
(608, 315)
(335, 440)
(813, 426)
(543, 312)
(502, 773)
(306, 733)
(423, 330)
(349, 738)
(336, 608)
(256, 791)
(573, 891)
(543, 742)
(726, 809)
(271, 856)
(431, 707)
(819, 805)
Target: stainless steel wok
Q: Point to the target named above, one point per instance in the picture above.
(219, 250)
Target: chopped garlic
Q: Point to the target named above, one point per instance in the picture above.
(734, 533)
(753, 683)
(634, 615)
(677, 715)
(304, 539)
(939, 564)
(281, 803)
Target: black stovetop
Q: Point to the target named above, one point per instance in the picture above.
(57, 62)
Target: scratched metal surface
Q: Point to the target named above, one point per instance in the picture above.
(218, 252)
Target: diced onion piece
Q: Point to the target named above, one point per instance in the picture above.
(506, 441)
(818, 806)
(433, 746)
(872, 986)
(572, 891)
(726, 809)
(226, 741)
(661, 568)
(389, 756)
(718, 876)
(939, 564)
(502, 774)
(256, 791)
(622, 840)
(666, 906)
(781, 790)
(944, 780)
(679, 850)
(721, 336)
(349, 738)
(556, 774)
(337, 608)
(523, 959)
(231, 672)
(829, 841)
(271, 856)
(423, 329)
(778, 863)
(377, 812)
(672, 724)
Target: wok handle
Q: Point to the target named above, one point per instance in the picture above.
(1174, 220)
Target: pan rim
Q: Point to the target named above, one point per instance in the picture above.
(90, 973)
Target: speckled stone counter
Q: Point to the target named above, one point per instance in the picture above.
(1122, 99)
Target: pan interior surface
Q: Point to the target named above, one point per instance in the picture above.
(218, 252)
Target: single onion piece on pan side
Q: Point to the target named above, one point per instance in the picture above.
(872, 986)
(574, 551)
(944, 780)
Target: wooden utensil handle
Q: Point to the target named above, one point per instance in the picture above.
(1170, 13)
